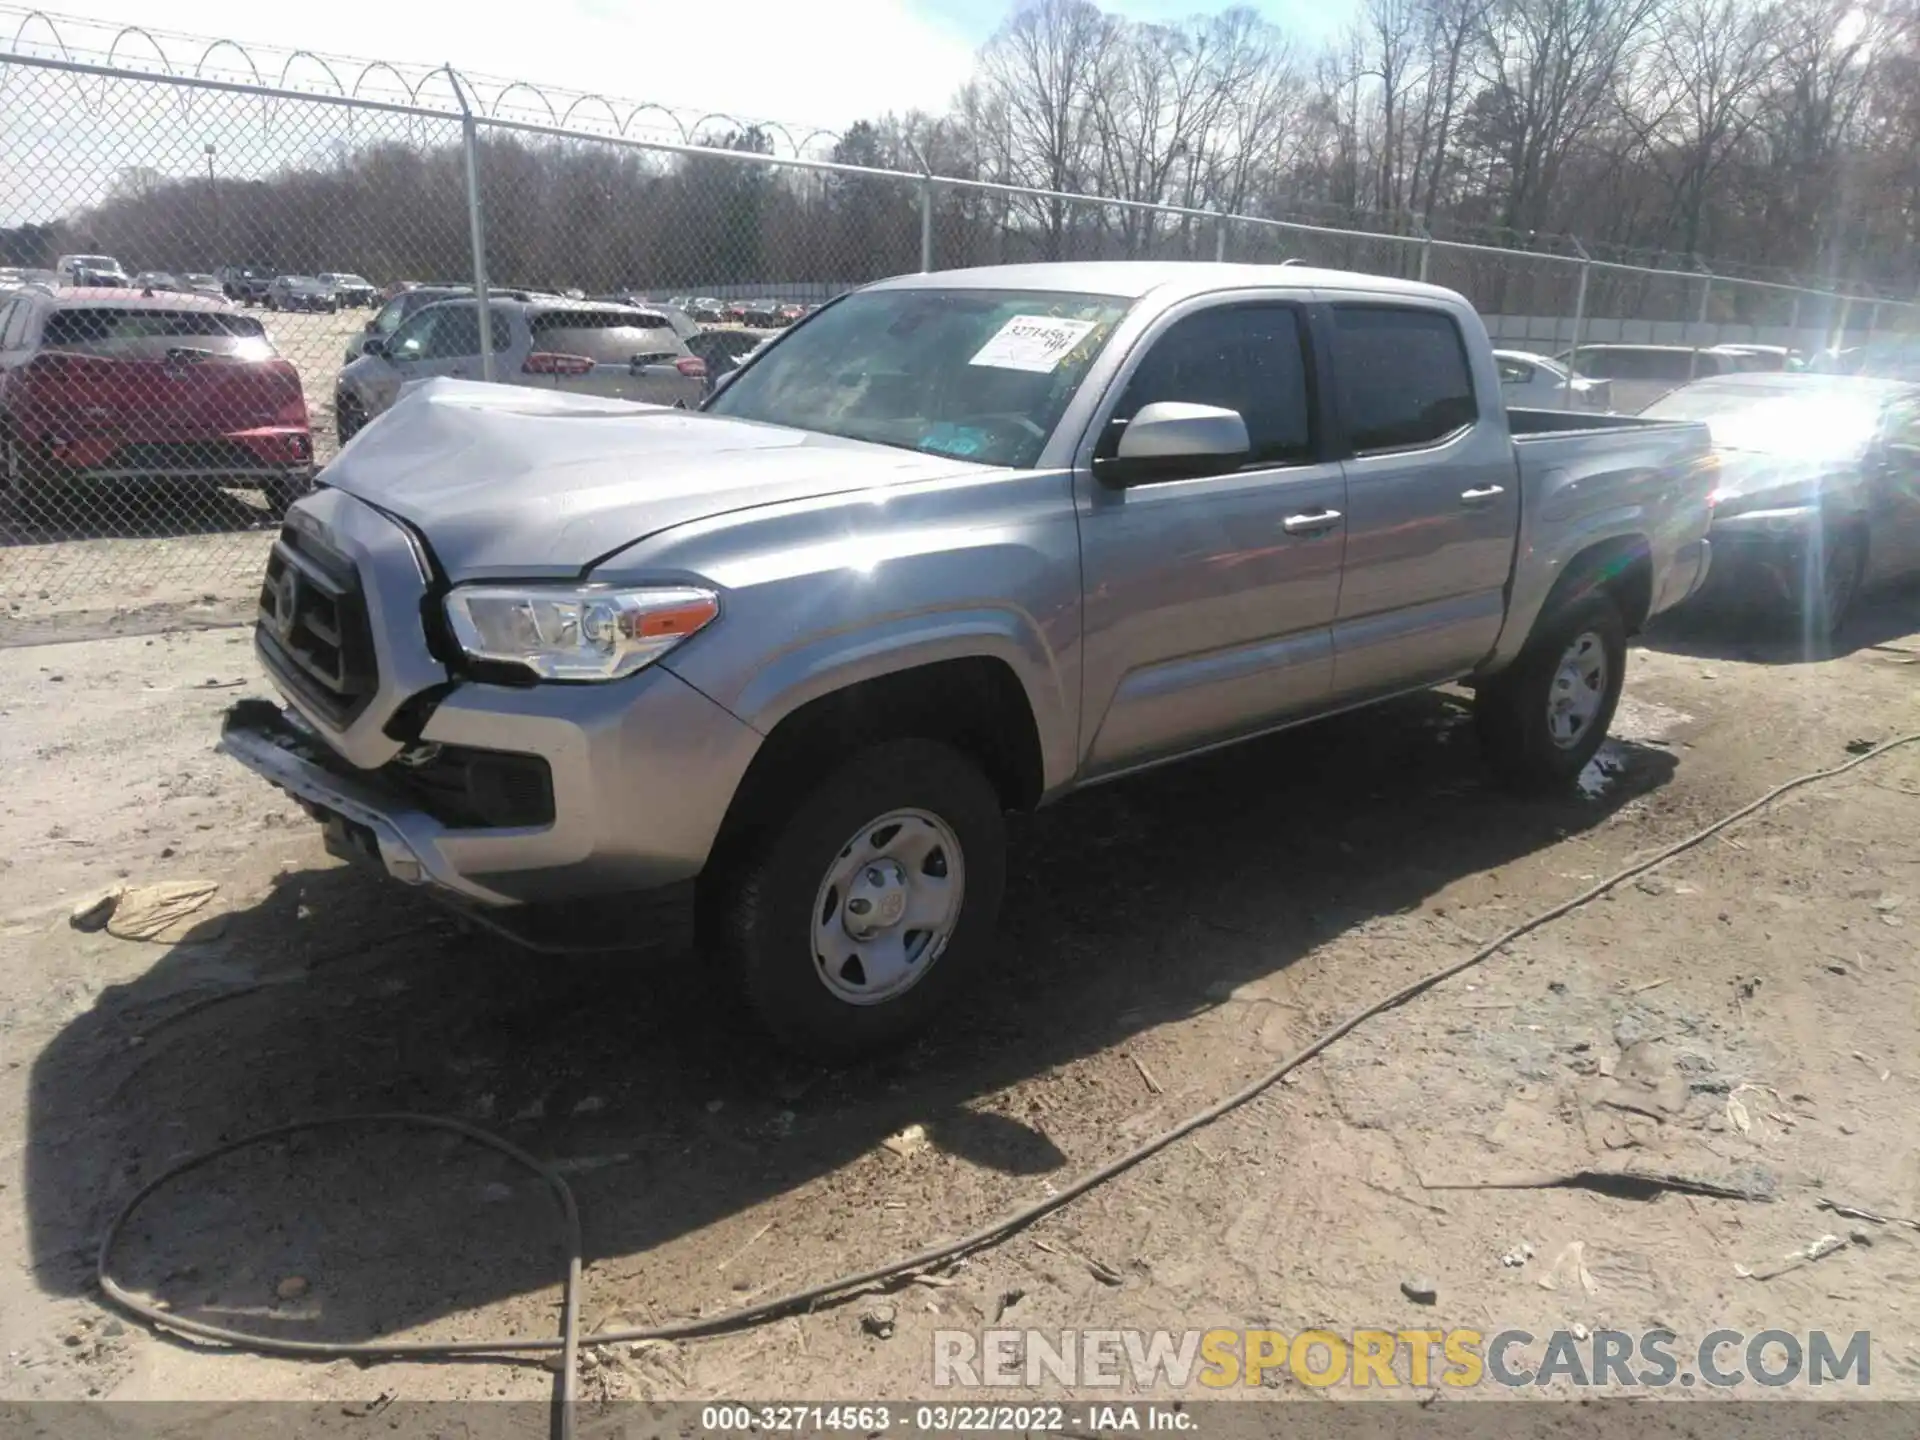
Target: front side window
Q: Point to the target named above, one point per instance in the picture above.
(1515, 372)
(1401, 377)
(1245, 358)
(980, 375)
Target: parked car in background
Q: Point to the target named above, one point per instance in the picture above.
(352, 291)
(724, 351)
(103, 385)
(1763, 357)
(677, 319)
(809, 644)
(301, 292)
(764, 314)
(412, 300)
(792, 311)
(547, 343)
(91, 270)
(1896, 359)
(1534, 382)
(198, 282)
(245, 283)
(706, 310)
(1641, 374)
(1817, 493)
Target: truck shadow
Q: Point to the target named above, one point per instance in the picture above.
(1129, 907)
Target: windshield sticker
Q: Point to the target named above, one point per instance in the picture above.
(959, 441)
(1036, 343)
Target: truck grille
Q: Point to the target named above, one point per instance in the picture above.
(313, 629)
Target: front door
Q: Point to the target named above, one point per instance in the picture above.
(1208, 600)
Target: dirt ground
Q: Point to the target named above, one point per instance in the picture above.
(1746, 1014)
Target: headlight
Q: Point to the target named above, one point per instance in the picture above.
(576, 632)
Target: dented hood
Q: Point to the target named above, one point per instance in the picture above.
(507, 480)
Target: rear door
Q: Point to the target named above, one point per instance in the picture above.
(1433, 502)
(1207, 600)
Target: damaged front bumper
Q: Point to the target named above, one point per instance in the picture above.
(364, 822)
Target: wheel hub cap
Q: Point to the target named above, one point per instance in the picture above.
(887, 906)
(876, 900)
(1579, 687)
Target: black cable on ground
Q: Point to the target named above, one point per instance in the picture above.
(567, 1342)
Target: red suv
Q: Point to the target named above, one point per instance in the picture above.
(110, 385)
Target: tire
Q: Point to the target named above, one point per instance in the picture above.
(1541, 720)
(280, 494)
(1835, 583)
(776, 915)
(349, 417)
(32, 485)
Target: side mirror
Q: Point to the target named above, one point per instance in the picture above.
(373, 345)
(1172, 440)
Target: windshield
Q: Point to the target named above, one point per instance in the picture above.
(982, 375)
(1771, 421)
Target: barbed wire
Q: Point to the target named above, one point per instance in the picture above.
(32, 31)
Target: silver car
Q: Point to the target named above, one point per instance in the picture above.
(612, 350)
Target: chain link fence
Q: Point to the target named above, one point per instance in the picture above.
(249, 243)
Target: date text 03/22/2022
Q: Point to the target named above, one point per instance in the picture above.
(944, 1419)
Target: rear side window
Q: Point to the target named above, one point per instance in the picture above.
(603, 336)
(1515, 372)
(105, 327)
(1401, 377)
(1247, 358)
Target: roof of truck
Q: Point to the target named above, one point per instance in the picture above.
(1133, 278)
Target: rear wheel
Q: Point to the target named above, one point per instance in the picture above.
(1541, 720)
(33, 485)
(1833, 582)
(866, 912)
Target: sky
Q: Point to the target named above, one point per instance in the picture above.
(819, 64)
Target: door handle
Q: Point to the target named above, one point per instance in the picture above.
(1482, 495)
(1310, 524)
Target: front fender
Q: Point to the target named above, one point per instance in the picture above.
(833, 662)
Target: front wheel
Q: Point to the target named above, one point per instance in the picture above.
(867, 911)
(1541, 720)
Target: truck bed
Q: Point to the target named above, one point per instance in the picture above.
(1526, 425)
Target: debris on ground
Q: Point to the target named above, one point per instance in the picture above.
(1420, 1290)
(293, 1287)
(92, 912)
(1819, 1250)
(1620, 1184)
(1855, 1212)
(877, 1320)
(145, 912)
(1570, 1264)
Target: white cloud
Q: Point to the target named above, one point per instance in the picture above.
(769, 59)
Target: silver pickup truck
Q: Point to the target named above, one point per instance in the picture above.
(955, 545)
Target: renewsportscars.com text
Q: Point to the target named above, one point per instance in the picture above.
(1219, 1359)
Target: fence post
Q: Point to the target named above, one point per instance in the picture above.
(1220, 223)
(926, 224)
(1793, 323)
(1873, 321)
(1579, 321)
(476, 225)
(1426, 246)
(1706, 292)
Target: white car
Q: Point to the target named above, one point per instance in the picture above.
(1533, 382)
